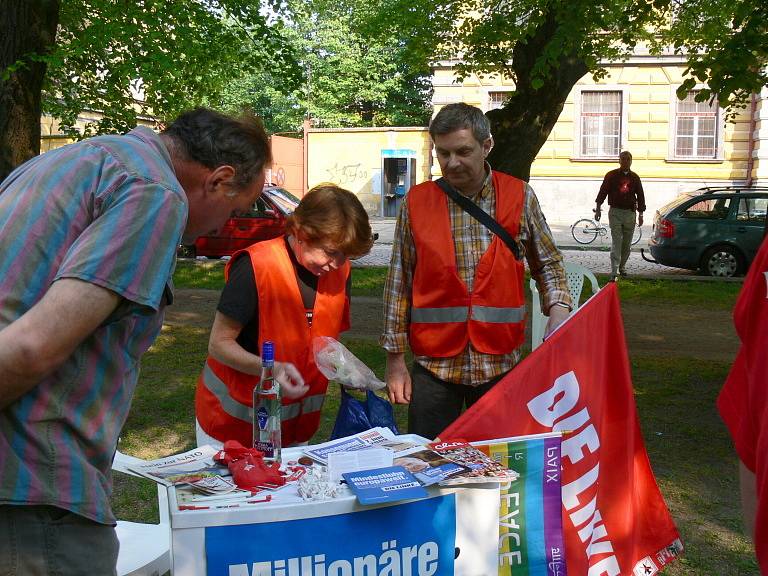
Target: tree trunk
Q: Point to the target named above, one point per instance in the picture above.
(522, 126)
(27, 31)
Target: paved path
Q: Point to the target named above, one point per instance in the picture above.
(594, 256)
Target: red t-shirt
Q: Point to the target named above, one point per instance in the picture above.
(743, 401)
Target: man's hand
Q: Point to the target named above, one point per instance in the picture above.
(398, 379)
(557, 315)
(290, 380)
(639, 218)
(597, 212)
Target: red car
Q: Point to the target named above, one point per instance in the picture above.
(266, 220)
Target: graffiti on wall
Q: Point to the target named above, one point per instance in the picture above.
(347, 174)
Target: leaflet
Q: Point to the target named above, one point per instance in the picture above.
(428, 466)
(389, 484)
(481, 467)
(195, 467)
(379, 437)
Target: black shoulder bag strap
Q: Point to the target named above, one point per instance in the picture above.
(480, 215)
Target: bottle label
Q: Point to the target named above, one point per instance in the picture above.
(263, 417)
(267, 448)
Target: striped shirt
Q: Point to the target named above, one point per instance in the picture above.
(111, 212)
(471, 239)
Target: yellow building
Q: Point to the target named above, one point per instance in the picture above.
(676, 145)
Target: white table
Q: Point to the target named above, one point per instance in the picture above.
(454, 531)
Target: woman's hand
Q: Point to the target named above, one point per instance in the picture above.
(290, 380)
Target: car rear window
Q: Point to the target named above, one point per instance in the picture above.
(669, 206)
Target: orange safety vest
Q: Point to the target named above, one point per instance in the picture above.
(224, 396)
(445, 316)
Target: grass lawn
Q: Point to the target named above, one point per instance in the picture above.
(688, 445)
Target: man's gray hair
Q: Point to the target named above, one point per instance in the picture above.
(458, 117)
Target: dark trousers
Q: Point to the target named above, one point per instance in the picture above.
(45, 541)
(436, 403)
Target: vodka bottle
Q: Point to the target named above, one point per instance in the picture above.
(267, 408)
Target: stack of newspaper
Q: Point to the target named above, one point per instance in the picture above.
(443, 463)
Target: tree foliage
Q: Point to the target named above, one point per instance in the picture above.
(727, 47)
(173, 53)
(546, 46)
(349, 79)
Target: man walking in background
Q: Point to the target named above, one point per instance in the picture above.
(625, 196)
(88, 238)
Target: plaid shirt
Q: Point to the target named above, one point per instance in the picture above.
(471, 239)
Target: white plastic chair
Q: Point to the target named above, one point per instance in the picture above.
(145, 549)
(575, 275)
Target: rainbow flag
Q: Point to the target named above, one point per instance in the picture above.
(530, 520)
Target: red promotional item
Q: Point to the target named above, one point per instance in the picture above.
(743, 401)
(247, 466)
(614, 517)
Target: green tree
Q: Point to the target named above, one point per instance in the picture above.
(62, 57)
(350, 79)
(546, 46)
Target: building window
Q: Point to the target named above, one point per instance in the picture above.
(600, 123)
(695, 128)
(496, 99)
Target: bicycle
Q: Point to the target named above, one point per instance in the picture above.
(585, 231)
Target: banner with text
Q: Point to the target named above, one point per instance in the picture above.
(412, 538)
(579, 381)
(530, 517)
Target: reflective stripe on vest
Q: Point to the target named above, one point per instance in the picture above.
(244, 412)
(459, 314)
(498, 315)
(436, 315)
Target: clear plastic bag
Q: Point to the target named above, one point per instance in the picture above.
(337, 363)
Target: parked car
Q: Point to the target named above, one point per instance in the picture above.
(265, 220)
(715, 230)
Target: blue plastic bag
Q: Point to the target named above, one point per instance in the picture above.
(360, 415)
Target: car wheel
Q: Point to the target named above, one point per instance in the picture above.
(186, 251)
(722, 261)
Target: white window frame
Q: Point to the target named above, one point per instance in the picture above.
(577, 101)
(719, 136)
(486, 106)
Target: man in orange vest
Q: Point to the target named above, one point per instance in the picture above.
(454, 292)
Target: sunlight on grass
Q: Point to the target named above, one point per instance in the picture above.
(688, 446)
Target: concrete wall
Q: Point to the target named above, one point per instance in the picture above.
(287, 168)
(352, 158)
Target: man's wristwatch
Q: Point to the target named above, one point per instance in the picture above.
(563, 304)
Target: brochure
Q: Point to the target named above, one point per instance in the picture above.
(481, 467)
(389, 484)
(378, 437)
(195, 467)
(368, 459)
(428, 466)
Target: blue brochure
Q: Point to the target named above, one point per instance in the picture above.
(384, 485)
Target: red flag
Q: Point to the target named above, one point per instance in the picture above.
(743, 401)
(614, 517)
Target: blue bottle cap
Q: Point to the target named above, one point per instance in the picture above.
(268, 351)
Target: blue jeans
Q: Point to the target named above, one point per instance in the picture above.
(49, 541)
